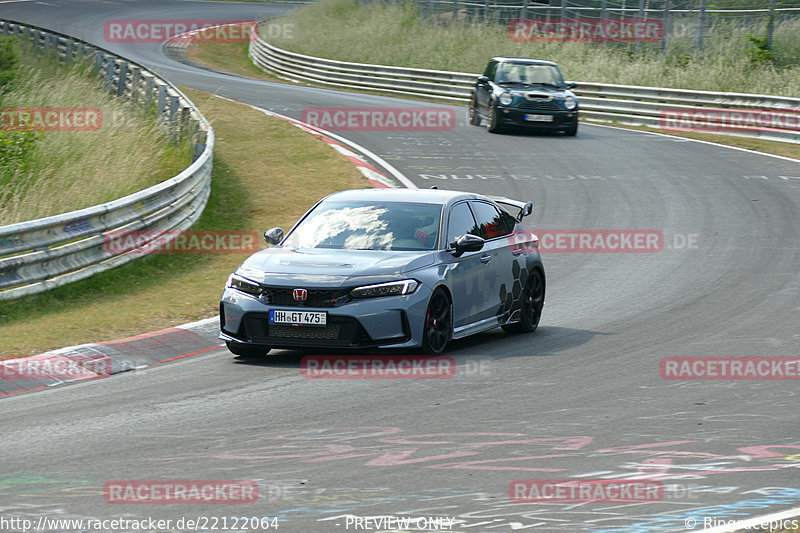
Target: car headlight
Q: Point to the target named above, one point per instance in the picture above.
(393, 288)
(505, 99)
(243, 284)
(570, 102)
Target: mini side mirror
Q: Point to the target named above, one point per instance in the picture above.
(273, 236)
(572, 85)
(482, 79)
(467, 243)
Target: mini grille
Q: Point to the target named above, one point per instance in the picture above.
(539, 106)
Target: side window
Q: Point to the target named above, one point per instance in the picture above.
(509, 221)
(461, 222)
(491, 68)
(491, 223)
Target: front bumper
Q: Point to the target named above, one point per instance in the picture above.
(391, 322)
(512, 116)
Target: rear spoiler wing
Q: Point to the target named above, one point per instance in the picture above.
(525, 208)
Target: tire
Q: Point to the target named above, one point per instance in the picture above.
(491, 120)
(437, 329)
(572, 130)
(472, 113)
(246, 350)
(531, 304)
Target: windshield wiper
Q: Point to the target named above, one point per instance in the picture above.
(547, 84)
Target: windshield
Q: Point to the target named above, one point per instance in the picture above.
(367, 226)
(529, 74)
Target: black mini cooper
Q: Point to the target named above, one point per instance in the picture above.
(524, 92)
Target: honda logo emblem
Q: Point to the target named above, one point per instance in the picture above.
(300, 295)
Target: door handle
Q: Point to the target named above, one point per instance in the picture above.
(485, 258)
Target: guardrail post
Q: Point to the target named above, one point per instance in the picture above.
(109, 72)
(36, 36)
(123, 76)
(68, 51)
(148, 89)
(455, 10)
(667, 24)
(6, 28)
(173, 109)
(485, 11)
(162, 100)
(136, 80)
(524, 13)
(603, 7)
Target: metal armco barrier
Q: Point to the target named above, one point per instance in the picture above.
(41, 254)
(624, 104)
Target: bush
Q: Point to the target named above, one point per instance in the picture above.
(9, 59)
(759, 50)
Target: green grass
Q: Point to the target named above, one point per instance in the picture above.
(61, 171)
(392, 35)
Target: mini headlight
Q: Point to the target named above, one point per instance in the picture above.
(570, 102)
(243, 284)
(393, 288)
(505, 99)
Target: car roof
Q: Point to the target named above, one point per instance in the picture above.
(427, 196)
(519, 59)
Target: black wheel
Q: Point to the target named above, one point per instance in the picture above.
(531, 304)
(492, 120)
(572, 130)
(246, 350)
(472, 113)
(438, 327)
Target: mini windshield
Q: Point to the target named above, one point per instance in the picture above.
(367, 226)
(529, 74)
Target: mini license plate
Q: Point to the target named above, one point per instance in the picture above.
(298, 318)
(538, 118)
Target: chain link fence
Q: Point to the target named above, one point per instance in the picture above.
(645, 23)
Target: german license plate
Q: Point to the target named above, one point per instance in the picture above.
(298, 318)
(538, 118)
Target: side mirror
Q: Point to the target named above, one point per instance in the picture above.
(482, 79)
(468, 243)
(273, 236)
(572, 85)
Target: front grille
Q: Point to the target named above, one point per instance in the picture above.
(340, 332)
(539, 106)
(296, 332)
(315, 298)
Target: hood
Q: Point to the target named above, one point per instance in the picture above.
(331, 268)
(545, 90)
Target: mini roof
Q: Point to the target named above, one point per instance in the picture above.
(518, 59)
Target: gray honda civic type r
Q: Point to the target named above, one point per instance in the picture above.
(389, 268)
